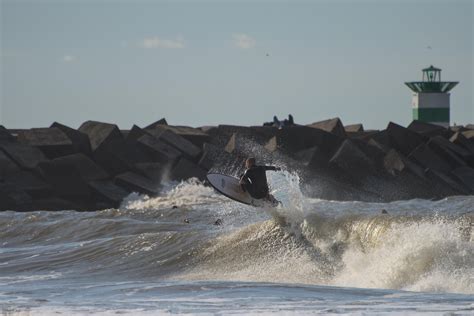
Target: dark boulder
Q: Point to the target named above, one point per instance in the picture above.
(134, 182)
(160, 122)
(428, 130)
(135, 133)
(394, 162)
(5, 135)
(80, 141)
(100, 133)
(108, 191)
(210, 156)
(158, 149)
(14, 199)
(30, 183)
(469, 134)
(382, 138)
(186, 169)
(182, 144)
(152, 170)
(194, 135)
(460, 140)
(403, 139)
(26, 156)
(351, 159)
(455, 155)
(354, 128)
(311, 158)
(466, 176)
(85, 167)
(333, 126)
(52, 141)
(7, 166)
(65, 180)
(295, 138)
(427, 158)
(440, 178)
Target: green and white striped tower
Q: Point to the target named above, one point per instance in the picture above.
(431, 97)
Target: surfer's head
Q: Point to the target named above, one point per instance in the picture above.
(249, 162)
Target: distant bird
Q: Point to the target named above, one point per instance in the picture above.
(428, 47)
(268, 54)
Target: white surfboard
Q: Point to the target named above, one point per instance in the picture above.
(230, 187)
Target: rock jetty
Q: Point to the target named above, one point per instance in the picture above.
(97, 165)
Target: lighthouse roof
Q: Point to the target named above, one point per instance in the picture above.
(431, 68)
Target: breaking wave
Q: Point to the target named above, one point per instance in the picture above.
(192, 233)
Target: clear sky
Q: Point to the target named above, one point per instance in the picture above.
(228, 62)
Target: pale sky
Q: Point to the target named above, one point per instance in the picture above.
(228, 62)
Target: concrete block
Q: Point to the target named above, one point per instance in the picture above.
(240, 145)
(382, 138)
(118, 156)
(381, 147)
(195, 135)
(108, 191)
(7, 166)
(100, 133)
(333, 126)
(135, 133)
(350, 158)
(80, 141)
(178, 142)
(427, 158)
(403, 139)
(134, 182)
(363, 135)
(5, 135)
(460, 140)
(446, 180)
(29, 183)
(86, 168)
(292, 139)
(160, 122)
(52, 141)
(215, 157)
(26, 156)
(354, 128)
(428, 130)
(311, 157)
(455, 155)
(65, 180)
(272, 145)
(208, 158)
(158, 149)
(469, 134)
(394, 162)
(186, 169)
(152, 170)
(14, 199)
(466, 176)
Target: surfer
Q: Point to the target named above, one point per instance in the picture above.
(254, 180)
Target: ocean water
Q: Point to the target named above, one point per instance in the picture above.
(166, 255)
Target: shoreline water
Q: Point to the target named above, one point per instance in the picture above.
(332, 258)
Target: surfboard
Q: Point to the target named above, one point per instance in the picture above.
(230, 187)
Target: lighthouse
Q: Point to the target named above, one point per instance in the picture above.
(430, 100)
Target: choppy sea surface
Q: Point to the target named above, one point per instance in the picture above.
(166, 255)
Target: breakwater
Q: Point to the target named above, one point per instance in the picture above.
(97, 165)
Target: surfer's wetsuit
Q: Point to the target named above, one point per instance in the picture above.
(254, 181)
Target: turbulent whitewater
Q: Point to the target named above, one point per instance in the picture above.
(168, 254)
